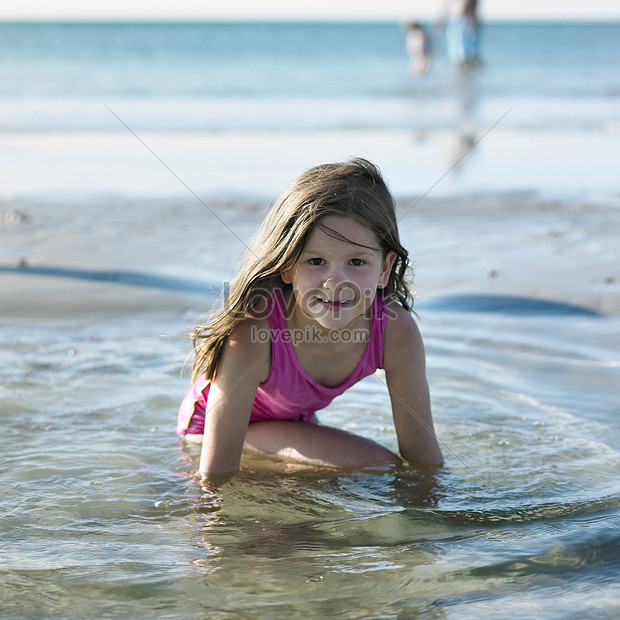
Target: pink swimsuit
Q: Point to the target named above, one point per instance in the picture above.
(288, 392)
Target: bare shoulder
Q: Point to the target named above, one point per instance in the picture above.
(403, 341)
(248, 349)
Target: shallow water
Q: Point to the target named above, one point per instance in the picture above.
(101, 516)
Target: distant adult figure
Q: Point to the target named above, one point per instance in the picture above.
(462, 35)
(419, 49)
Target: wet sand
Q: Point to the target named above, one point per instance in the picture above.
(110, 257)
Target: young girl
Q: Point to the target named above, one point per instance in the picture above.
(321, 301)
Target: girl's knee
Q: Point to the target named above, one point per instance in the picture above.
(367, 452)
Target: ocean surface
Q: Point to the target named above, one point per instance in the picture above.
(101, 514)
(197, 77)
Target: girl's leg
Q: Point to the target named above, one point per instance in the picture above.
(316, 445)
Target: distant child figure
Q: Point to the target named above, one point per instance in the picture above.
(322, 300)
(419, 49)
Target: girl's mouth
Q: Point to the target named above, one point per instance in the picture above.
(334, 303)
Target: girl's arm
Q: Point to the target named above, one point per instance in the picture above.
(244, 363)
(405, 370)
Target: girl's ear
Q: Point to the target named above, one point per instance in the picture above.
(286, 276)
(386, 269)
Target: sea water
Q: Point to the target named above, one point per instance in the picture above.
(206, 76)
(101, 514)
(103, 517)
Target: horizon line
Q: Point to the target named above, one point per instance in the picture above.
(612, 19)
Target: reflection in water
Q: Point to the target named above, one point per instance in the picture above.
(463, 139)
(381, 540)
(460, 33)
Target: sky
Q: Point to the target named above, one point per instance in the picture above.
(291, 9)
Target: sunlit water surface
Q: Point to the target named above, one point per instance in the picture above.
(102, 517)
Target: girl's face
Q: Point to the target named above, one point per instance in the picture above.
(334, 282)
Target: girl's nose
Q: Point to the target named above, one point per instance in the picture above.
(329, 283)
(335, 281)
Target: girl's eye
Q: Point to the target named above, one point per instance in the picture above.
(316, 261)
(357, 262)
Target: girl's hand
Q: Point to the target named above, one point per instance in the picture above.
(243, 365)
(405, 370)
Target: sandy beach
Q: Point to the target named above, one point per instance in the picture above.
(101, 224)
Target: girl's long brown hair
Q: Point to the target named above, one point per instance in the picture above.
(353, 188)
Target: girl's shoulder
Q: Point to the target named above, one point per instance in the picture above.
(252, 330)
(249, 344)
(403, 341)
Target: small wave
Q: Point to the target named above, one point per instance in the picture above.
(543, 512)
